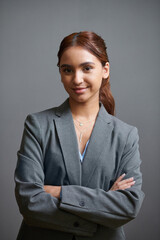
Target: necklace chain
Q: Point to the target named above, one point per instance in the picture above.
(82, 123)
(82, 131)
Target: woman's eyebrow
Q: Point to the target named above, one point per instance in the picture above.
(82, 64)
(65, 65)
(85, 63)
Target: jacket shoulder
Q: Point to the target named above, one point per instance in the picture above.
(50, 113)
(43, 118)
(121, 125)
(123, 130)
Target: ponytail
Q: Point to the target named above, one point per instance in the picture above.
(106, 97)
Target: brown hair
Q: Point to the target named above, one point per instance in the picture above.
(95, 45)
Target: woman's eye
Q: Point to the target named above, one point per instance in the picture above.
(67, 70)
(87, 68)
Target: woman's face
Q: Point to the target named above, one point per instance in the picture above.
(81, 74)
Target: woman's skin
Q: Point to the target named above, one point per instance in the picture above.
(81, 74)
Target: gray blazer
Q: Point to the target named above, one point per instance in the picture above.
(49, 155)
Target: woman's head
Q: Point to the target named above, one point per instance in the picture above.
(95, 45)
(88, 40)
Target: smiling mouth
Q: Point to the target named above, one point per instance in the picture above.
(79, 90)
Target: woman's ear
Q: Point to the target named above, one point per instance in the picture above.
(106, 70)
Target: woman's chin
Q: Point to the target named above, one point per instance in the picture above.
(84, 99)
(79, 99)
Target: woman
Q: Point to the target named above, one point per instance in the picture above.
(78, 171)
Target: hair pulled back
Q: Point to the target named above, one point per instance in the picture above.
(96, 46)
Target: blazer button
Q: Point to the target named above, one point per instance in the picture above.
(76, 224)
(82, 203)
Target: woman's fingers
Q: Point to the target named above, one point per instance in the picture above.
(126, 181)
(125, 185)
(120, 178)
(122, 184)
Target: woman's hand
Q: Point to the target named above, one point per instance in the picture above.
(53, 190)
(122, 184)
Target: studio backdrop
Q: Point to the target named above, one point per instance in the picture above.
(30, 34)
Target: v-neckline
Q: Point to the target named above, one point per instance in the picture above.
(83, 153)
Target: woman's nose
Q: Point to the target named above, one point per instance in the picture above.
(78, 78)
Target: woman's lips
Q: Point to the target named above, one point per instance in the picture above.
(80, 90)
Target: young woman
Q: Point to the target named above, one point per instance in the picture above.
(78, 171)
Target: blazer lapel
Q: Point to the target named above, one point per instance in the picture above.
(81, 174)
(101, 135)
(68, 141)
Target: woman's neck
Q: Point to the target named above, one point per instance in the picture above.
(84, 111)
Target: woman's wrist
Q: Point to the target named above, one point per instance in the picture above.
(53, 190)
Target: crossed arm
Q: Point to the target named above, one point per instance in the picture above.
(118, 185)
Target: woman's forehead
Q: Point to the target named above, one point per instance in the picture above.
(78, 54)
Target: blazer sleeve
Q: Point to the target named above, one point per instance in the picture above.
(112, 208)
(38, 207)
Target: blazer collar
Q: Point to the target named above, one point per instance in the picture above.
(64, 109)
(81, 174)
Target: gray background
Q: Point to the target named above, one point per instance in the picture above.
(30, 33)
